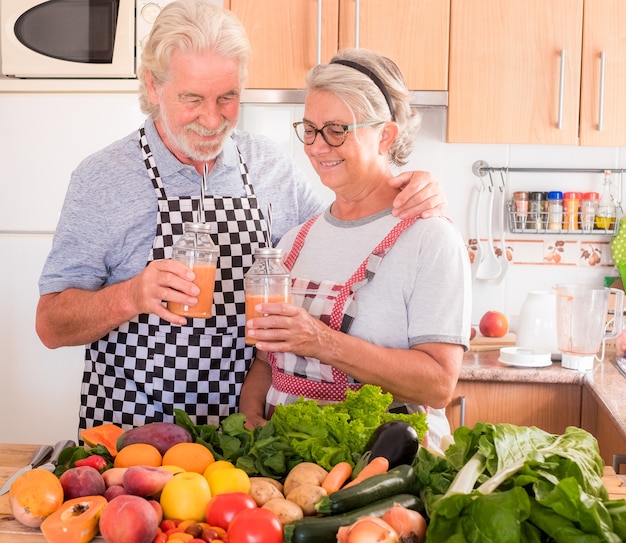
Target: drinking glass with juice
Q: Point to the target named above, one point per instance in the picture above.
(267, 281)
(197, 250)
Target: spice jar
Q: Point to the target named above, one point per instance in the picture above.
(520, 207)
(588, 206)
(571, 204)
(197, 250)
(536, 216)
(555, 210)
(267, 281)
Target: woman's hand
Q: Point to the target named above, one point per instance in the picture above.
(421, 195)
(287, 328)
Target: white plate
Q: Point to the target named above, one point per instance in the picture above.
(524, 358)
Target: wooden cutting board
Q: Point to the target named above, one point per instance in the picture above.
(482, 343)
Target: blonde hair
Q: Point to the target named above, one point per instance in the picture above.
(366, 99)
(194, 27)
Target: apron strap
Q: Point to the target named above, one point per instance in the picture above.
(340, 318)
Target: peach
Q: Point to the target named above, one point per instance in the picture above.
(129, 519)
(82, 481)
(158, 509)
(145, 481)
(114, 491)
(114, 476)
(493, 324)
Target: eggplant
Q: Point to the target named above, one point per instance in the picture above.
(396, 440)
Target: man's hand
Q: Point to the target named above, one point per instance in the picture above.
(164, 280)
(421, 195)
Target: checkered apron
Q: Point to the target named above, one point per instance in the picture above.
(144, 369)
(335, 305)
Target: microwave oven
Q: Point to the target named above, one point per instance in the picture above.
(74, 38)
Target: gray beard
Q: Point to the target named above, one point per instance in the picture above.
(198, 152)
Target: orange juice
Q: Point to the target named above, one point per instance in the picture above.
(205, 279)
(254, 299)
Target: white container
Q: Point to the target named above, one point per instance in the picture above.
(536, 327)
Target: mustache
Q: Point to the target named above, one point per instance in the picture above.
(204, 131)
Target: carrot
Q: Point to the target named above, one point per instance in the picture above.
(376, 466)
(336, 477)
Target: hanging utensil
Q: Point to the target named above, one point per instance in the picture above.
(489, 267)
(478, 253)
(504, 261)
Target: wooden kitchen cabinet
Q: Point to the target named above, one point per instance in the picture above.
(597, 421)
(505, 71)
(604, 35)
(508, 83)
(551, 407)
(284, 37)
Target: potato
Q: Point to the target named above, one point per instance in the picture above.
(262, 490)
(306, 496)
(286, 511)
(274, 482)
(307, 473)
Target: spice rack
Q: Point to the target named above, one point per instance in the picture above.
(480, 168)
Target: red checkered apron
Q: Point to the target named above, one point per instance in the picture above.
(335, 305)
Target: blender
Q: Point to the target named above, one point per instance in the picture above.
(584, 322)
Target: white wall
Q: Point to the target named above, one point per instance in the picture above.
(43, 137)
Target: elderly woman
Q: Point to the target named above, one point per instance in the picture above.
(376, 299)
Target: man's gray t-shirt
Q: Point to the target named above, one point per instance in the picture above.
(108, 221)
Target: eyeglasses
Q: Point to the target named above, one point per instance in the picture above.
(334, 134)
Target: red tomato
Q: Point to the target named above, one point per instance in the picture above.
(223, 507)
(255, 526)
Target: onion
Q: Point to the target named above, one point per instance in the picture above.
(409, 524)
(367, 530)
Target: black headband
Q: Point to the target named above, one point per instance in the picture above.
(377, 81)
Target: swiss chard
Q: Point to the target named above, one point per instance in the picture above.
(503, 480)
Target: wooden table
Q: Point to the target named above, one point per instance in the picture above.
(13, 457)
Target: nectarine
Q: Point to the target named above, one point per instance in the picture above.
(493, 324)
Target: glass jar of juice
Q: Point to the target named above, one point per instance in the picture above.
(197, 250)
(267, 281)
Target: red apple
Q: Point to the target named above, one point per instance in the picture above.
(472, 333)
(493, 324)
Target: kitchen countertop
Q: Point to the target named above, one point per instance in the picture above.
(484, 366)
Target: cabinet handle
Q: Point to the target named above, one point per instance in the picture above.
(601, 106)
(319, 31)
(357, 15)
(462, 410)
(559, 123)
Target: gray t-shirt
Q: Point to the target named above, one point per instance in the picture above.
(108, 221)
(421, 292)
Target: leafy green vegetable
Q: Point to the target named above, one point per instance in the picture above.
(302, 431)
(335, 432)
(502, 482)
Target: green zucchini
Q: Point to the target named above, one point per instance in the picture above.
(399, 480)
(324, 529)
